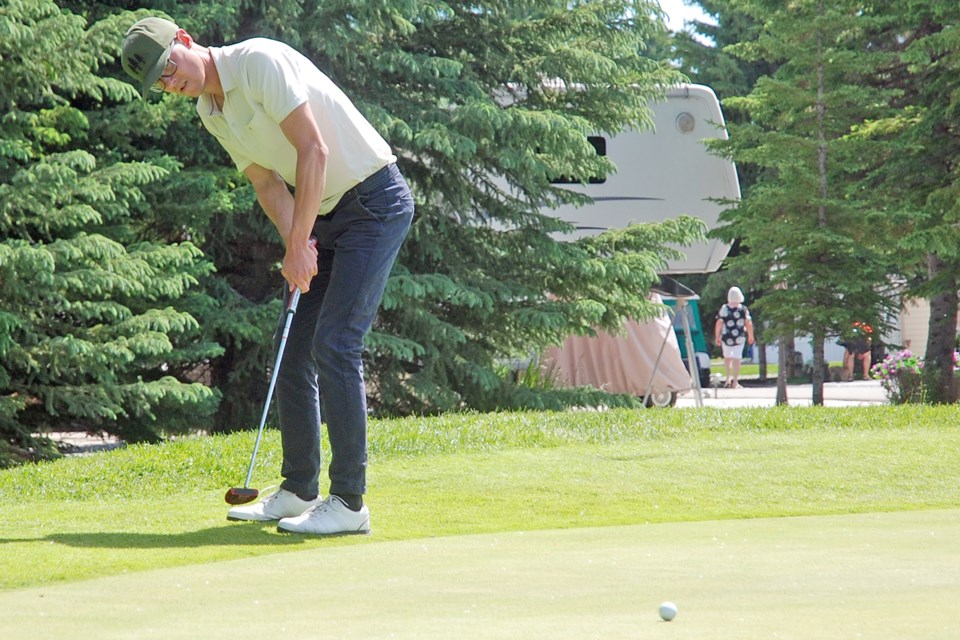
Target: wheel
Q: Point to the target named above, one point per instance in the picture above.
(662, 399)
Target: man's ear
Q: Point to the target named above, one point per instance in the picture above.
(184, 38)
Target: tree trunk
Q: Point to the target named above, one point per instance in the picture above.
(939, 378)
(786, 364)
(761, 350)
(817, 344)
(793, 363)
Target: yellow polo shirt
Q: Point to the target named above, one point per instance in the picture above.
(263, 81)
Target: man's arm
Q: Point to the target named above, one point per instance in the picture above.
(274, 196)
(301, 130)
(294, 216)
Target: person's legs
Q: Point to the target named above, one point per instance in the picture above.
(731, 363)
(322, 370)
(298, 395)
(865, 357)
(732, 354)
(848, 362)
(362, 239)
(735, 369)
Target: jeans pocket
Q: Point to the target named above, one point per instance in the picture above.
(394, 200)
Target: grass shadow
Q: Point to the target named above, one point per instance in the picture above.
(227, 535)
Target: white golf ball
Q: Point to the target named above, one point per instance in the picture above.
(668, 611)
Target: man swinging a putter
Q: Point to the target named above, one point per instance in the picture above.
(285, 124)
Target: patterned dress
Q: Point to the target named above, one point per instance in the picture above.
(734, 327)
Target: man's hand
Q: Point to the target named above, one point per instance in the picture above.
(300, 265)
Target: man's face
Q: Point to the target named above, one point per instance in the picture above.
(183, 74)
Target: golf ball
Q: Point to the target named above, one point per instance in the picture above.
(668, 611)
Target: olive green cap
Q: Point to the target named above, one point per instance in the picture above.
(146, 48)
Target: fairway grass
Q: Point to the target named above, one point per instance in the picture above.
(150, 507)
(885, 576)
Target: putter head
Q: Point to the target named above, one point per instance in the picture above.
(240, 495)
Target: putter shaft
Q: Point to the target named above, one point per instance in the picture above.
(291, 311)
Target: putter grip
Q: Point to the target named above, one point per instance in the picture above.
(294, 301)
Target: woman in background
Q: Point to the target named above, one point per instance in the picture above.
(732, 331)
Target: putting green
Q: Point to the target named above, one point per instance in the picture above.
(878, 576)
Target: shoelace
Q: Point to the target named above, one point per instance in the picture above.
(272, 496)
(323, 507)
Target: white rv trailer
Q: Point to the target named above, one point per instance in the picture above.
(662, 174)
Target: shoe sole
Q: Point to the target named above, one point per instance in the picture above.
(235, 519)
(339, 534)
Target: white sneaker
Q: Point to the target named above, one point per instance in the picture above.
(329, 518)
(282, 504)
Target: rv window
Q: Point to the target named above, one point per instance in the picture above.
(600, 146)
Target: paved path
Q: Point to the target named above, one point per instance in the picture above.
(835, 394)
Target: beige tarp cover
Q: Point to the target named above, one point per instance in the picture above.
(622, 363)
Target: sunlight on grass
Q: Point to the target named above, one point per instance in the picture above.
(145, 507)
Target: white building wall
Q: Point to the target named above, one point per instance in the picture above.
(914, 325)
(832, 352)
(910, 333)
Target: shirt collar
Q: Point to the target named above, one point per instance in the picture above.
(228, 81)
(228, 77)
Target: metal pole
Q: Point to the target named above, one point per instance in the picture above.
(691, 356)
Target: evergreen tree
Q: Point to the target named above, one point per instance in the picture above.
(803, 219)
(89, 320)
(201, 200)
(705, 57)
(483, 102)
(918, 178)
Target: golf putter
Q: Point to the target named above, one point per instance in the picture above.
(245, 494)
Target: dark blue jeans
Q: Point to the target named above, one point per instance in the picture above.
(322, 370)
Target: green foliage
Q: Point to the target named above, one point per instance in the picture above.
(90, 327)
(471, 96)
(802, 220)
(135, 261)
(889, 74)
(459, 90)
(917, 181)
(706, 58)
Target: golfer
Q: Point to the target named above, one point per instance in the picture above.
(285, 124)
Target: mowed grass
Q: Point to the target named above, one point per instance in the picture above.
(148, 507)
(749, 369)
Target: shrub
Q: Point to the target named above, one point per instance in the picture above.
(900, 374)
